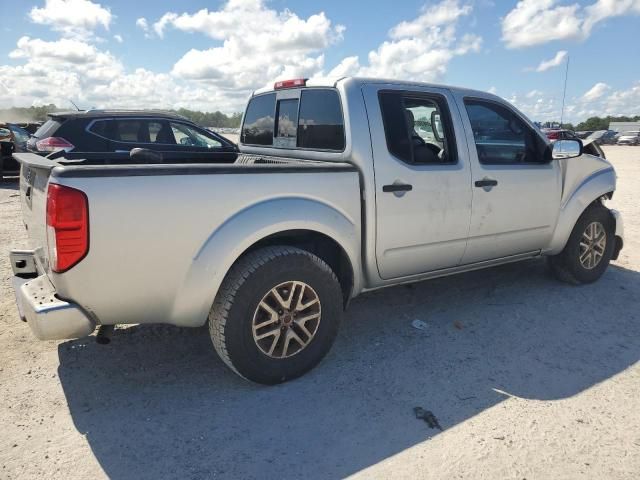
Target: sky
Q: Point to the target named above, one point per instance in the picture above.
(210, 55)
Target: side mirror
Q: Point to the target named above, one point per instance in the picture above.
(566, 149)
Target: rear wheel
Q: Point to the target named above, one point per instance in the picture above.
(276, 315)
(589, 249)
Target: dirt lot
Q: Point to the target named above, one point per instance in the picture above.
(528, 377)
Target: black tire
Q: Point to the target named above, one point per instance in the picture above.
(566, 266)
(249, 280)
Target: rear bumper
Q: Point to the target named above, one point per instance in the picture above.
(49, 317)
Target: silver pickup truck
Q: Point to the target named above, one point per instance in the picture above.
(342, 186)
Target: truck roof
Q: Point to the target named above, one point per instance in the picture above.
(333, 82)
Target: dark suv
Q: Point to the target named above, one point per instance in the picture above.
(121, 131)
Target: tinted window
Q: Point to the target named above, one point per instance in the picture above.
(99, 128)
(258, 120)
(131, 131)
(287, 117)
(501, 137)
(321, 124)
(417, 129)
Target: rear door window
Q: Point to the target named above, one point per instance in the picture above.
(418, 127)
(321, 125)
(257, 128)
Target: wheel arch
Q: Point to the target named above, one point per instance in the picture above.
(596, 188)
(305, 223)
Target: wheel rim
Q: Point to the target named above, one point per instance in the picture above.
(286, 319)
(592, 245)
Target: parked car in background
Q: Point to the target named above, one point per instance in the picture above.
(559, 134)
(629, 138)
(604, 137)
(123, 130)
(30, 127)
(583, 134)
(326, 201)
(14, 140)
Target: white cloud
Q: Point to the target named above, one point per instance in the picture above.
(71, 69)
(534, 22)
(143, 24)
(259, 44)
(77, 18)
(118, 38)
(595, 92)
(601, 100)
(420, 49)
(551, 63)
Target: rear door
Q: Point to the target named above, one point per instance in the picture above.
(516, 185)
(422, 179)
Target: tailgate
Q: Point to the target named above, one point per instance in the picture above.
(34, 177)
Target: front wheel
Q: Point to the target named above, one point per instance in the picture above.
(589, 249)
(276, 314)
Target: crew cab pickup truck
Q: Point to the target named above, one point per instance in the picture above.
(341, 186)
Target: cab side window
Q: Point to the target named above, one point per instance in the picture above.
(418, 129)
(501, 137)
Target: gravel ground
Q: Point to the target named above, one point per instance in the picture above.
(528, 378)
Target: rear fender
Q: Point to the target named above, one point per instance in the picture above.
(247, 227)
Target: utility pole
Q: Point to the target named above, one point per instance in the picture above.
(564, 92)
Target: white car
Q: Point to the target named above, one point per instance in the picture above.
(629, 138)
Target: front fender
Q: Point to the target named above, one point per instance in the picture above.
(248, 226)
(575, 201)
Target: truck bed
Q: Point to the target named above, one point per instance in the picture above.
(166, 232)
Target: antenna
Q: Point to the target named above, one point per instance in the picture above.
(564, 92)
(74, 105)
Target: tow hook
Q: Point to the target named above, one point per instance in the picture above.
(103, 337)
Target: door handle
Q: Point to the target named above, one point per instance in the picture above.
(397, 187)
(486, 182)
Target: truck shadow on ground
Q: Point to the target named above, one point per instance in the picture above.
(158, 403)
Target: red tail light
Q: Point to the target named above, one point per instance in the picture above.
(54, 144)
(298, 82)
(67, 226)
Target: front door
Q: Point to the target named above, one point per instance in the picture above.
(516, 186)
(422, 180)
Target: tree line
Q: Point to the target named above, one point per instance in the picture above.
(220, 120)
(591, 123)
(39, 114)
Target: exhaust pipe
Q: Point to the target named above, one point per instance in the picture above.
(103, 336)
